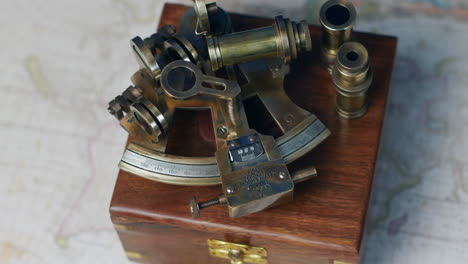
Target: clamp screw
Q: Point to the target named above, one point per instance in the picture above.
(195, 207)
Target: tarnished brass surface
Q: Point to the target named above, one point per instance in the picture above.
(337, 18)
(284, 40)
(179, 71)
(237, 253)
(352, 78)
(149, 160)
(257, 185)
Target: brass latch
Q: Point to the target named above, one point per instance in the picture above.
(237, 253)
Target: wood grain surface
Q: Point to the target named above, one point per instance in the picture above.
(325, 220)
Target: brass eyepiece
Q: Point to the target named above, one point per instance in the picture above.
(337, 18)
(284, 39)
(352, 78)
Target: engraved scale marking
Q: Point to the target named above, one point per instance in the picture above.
(154, 165)
(169, 168)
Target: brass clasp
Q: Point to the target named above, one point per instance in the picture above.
(237, 253)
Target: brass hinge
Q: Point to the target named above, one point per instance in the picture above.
(237, 253)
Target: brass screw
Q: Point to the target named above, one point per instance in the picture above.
(283, 175)
(222, 131)
(230, 189)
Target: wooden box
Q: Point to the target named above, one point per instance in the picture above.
(324, 223)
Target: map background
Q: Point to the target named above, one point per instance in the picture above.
(64, 60)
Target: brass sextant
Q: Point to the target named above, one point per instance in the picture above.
(206, 66)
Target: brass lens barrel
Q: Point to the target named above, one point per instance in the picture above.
(337, 18)
(284, 39)
(256, 44)
(352, 78)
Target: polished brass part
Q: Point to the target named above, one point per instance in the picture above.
(237, 253)
(175, 51)
(149, 118)
(145, 57)
(352, 78)
(227, 90)
(337, 18)
(189, 49)
(133, 107)
(304, 175)
(284, 40)
(174, 45)
(203, 22)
